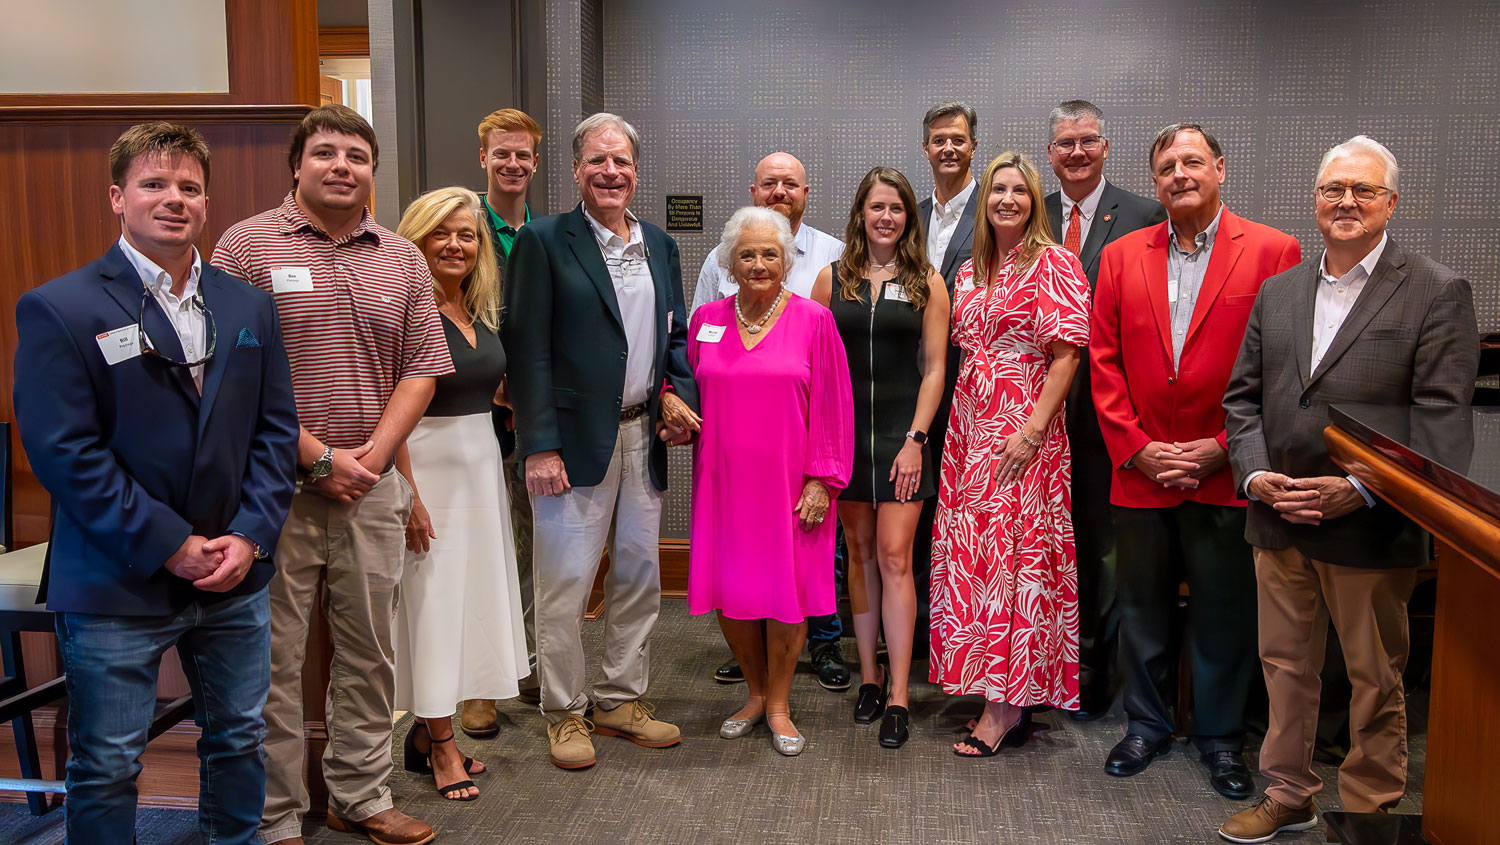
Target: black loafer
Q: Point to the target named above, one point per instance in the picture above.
(828, 664)
(1228, 775)
(895, 728)
(730, 673)
(870, 703)
(1133, 754)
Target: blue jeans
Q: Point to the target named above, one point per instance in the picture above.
(111, 664)
(822, 630)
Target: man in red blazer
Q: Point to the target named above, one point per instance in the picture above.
(1169, 312)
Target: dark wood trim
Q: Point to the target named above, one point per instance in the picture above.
(343, 42)
(674, 569)
(178, 112)
(1471, 532)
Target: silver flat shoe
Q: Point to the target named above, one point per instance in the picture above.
(736, 728)
(788, 746)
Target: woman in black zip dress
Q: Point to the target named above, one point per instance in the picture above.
(891, 309)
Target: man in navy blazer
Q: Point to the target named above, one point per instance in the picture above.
(155, 404)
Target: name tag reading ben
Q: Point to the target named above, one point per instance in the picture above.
(896, 292)
(290, 279)
(122, 344)
(710, 334)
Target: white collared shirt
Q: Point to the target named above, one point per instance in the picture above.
(630, 271)
(1086, 208)
(815, 250)
(944, 221)
(1335, 298)
(185, 319)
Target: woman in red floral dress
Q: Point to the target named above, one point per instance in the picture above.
(1004, 571)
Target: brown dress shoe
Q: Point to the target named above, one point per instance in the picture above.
(387, 827)
(1266, 819)
(479, 720)
(635, 721)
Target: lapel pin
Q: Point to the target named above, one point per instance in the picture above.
(1106, 218)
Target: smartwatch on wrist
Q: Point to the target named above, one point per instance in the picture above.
(323, 466)
(917, 437)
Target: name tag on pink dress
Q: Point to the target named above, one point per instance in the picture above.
(710, 334)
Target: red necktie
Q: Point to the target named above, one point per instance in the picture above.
(1074, 235)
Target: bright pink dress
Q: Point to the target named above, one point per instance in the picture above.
(1004, 570)
(773, 417)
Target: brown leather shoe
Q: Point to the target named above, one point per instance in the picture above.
(1266, 819)
(387, 827)
(479, 719)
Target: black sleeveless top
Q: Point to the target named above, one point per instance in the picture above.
(477, 370)
(884, 345)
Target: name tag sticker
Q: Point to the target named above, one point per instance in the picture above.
(710, 334)
(122, 344)
(290, 279)
(669, 322)
(1171, 290)
(896, 292)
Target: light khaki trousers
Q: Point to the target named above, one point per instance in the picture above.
(1297, 597)
(359, 549)
(624, 512)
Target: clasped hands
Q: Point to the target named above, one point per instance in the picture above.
(355, 472)
(678, 422)
(1180, 464)
(214, 565)
(1306, 501)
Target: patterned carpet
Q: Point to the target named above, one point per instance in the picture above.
(844, 787)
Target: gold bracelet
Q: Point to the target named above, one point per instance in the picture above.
(1035, 444)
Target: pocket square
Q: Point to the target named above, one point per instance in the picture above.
(246, 339)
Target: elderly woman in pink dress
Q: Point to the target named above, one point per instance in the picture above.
(775, 449)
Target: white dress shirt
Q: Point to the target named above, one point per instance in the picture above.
(186, 320)
(815, 250)
(943, 222)
(1086, 208)
(636, 293)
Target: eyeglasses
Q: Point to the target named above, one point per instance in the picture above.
(1363, 191)
(1088, 144)
(149, 349)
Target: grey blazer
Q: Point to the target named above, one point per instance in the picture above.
(1410, 339)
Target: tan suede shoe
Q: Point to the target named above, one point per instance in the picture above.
(633, 720)
(571, 746)
(478, 719)
(1266, 819)
(387, 827)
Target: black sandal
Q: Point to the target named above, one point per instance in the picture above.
(415, 761)
(978, 745)
(464, 785)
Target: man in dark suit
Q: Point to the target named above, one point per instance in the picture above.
(155, 404)
(1368, 322)
(1086, 214)
(948, 141)
(595, 326)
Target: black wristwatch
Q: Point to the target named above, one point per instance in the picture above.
(917, 437)
(323, 466)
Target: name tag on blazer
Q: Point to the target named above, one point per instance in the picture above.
(896, 292)
(291, 279)
(120, 344)
(669, 322)
(710, 334)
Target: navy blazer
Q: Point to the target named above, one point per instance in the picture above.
(565, 344)
(134, 459)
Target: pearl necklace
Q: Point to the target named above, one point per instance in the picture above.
(757, 327)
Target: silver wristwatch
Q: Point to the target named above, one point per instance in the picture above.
(323, 466)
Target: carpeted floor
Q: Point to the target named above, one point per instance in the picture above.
(844, 787)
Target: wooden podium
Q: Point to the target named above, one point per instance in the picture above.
(1442, 469)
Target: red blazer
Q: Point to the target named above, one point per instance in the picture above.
(1136, 394)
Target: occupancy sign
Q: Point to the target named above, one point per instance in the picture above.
(684, 213)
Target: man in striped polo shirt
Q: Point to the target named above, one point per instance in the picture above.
(366, 348)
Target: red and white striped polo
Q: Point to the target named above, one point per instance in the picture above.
(357, 314)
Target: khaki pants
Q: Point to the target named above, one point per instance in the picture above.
(1297, 597)
(624, 511)
(358, 549)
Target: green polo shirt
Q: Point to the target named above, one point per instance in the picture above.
(504, 231)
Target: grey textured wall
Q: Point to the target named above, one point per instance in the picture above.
(715, 84)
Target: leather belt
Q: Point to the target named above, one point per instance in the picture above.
(632, 412)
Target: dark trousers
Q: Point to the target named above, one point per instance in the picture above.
(1094, 537)
(1204, 545)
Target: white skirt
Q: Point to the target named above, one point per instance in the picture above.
(458, 620)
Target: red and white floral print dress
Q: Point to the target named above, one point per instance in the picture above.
(1004, 568)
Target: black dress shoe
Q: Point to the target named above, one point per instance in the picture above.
(828, 663)
(730, 673)
(870, 703)
(1133, 754)
(895, 728)
(1227, 774)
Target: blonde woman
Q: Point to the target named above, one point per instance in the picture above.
(459, 633)
(1004, 570)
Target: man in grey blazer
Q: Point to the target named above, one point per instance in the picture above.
(1368, 322)
(1098, 213)
(947, 218)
